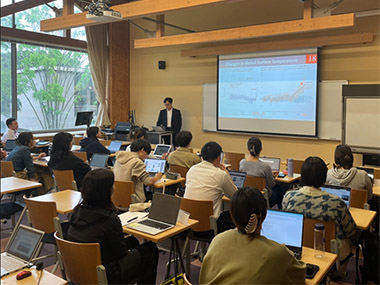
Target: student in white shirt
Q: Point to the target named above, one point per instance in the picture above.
(11, 133)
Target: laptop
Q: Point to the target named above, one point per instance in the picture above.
(238, 178)
(21, 248)
(162, 215)
(155, 165)
(285, 228)
(158, 128)
(342, 192)
(369, 171)
(99, 160)
(161, 149)
(274, 162)
(114, 146)
(10, 145)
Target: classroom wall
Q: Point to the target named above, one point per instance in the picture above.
(183, 78)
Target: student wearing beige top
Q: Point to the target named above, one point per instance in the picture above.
(182, 156)
(129, 166)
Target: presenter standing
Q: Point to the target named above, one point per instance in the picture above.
(170, 118)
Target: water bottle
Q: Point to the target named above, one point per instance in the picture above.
(290, 167)
(319, 240)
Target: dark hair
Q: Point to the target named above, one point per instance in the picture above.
(138, 145)
(25, 138)
(170, 100)
(9, 121)
(61, 146)
(97, 189)
(254, 146)
(92, 132)
(183, 138)
(343, 157)
(210, 151)
(314, 171)
(244, 203)
(137, 133)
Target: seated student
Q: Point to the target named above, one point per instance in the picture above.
(243, 256)
(209, 180)
(182, 156)
(95, 220)
(343, 173)
(136, 133)
(11, 133)
(317, 204)
(61, 158)
(23, 163)
(91, 144)
(254, 167)
(130, 166)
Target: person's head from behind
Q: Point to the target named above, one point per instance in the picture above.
(314, 171)
(62, 143)
(184, 138)
(211, 152)
(93, 133)
(97, 188)
(12, 123)
(137, 133)
(168, 103)
(142, 148)
(25, 139)
(344, 157)
(248, 211)
(254, 146)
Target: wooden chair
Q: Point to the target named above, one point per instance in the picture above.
(82, 262)
(297, 165)
(7, 169)
(64, 180)
(258, 183)
(122, 193)
(376, 176)
(81, 154)
(181, 170)
(233, 159)
(105, 143)
(359, 199)
(76, 140)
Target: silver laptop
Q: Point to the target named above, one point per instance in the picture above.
(285, 228)
(342, 192)
(161, 149)
(162, 215)
(114, 146)
(99, 160)
(274, 162)
(155, 165)
(20, 249)
(158, 128)
(238, 178)
(10, 145)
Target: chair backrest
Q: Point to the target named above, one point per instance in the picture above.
(64, 179)
(358, 198)
(297, 165)
(179, 169)
(308, 233)
(105, 142)
(7, 169)
(81, 154)
(122, 192)
(376, 176)
(254, 181)
(234, 158)
(42, 214)
(79, 260)
(199, 210)
(76, 140)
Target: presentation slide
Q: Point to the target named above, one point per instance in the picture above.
(274, 94)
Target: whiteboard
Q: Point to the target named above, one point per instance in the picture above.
(329, 108)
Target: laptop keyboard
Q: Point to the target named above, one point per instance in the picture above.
(155, 224)
(9, 263)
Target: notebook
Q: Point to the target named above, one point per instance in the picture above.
(342, 192)
(155, 165)
(162, 215)
(20, 249)
(161, 149)
(238, 178)
(99, 160)
(114, 146)
(10, 145)
(285, 228)
(274, 162)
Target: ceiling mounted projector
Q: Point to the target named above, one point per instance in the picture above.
(100, 11)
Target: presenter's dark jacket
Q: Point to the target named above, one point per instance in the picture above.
(91, 146)
(176, 123)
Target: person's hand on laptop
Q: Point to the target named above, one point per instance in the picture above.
(42, 154)
(275, 173)
(157, 177)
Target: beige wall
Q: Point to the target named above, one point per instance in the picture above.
(183, 78)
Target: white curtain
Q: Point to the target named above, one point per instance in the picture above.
(97, 38)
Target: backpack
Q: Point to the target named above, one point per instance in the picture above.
(369, 271)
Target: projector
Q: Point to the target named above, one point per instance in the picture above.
(105, 16)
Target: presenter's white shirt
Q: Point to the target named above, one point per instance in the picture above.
(169, 114)
(9, 135)
(204, 181)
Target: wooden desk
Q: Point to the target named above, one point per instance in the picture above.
(324, 264)
(363, 218)
(65, 200)
(43, 162)
(288, 179)
(47, 278)
(168, 182)
(14, 184)
(376, 191)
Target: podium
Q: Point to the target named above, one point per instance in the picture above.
(158, 137)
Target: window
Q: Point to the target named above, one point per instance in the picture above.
(6, 83)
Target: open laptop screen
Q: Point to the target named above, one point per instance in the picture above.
(238, 178)
(114, 146)
(342, 192)
(273, 162)
(24, 243)
(10, 145)
(283, 227)
(161, 149)
(99, 160)
(164, 208)
(155, 165)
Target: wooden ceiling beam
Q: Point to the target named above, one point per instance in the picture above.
(249, 32)
(21, 6)
(130, 10)
(308, 9)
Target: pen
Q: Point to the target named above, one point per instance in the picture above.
(131, 219)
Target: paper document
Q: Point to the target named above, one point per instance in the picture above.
(131, 217)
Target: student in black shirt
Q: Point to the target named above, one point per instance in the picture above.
(91, 144)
